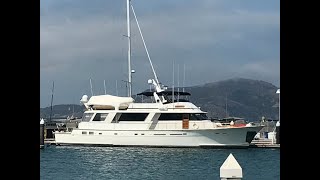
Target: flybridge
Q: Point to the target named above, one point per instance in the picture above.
(150, 93)
(167, 95)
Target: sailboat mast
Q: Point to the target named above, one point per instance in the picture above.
(51, 101)
(129, 48)
(178, 84)
(173, 83)
(184, 76)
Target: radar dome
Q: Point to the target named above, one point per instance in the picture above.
(84, 99)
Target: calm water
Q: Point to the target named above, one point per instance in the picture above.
(64, 162)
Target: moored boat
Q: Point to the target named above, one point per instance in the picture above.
(165, 121)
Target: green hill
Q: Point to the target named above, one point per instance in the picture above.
(250, 99)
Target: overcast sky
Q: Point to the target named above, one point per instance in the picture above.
(213, 39)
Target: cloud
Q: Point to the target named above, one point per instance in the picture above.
(214, 39)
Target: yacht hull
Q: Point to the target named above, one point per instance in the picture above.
(219, 137)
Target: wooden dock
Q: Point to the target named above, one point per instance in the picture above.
(264, 143)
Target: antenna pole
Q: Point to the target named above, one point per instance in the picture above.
(104, 84)
(117, 87)
(91, 87)
(129, 48)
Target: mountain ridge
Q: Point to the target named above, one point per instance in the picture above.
(239, 97)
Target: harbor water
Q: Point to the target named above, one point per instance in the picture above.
(79, 163)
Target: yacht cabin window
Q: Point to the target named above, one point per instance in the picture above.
(86, 117)
(100, 117)
(133, 116)
(180, 116)
(170, 116)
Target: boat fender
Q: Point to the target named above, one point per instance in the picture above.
(195, 126)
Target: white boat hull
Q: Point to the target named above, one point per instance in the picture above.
(220, 137)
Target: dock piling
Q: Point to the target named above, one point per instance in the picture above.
(278, 132)
(41, 133)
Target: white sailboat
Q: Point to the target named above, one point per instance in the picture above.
(166, 121)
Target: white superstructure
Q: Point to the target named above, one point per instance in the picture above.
(119, 121)
(165, 120)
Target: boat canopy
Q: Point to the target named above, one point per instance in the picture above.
(104, 100)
